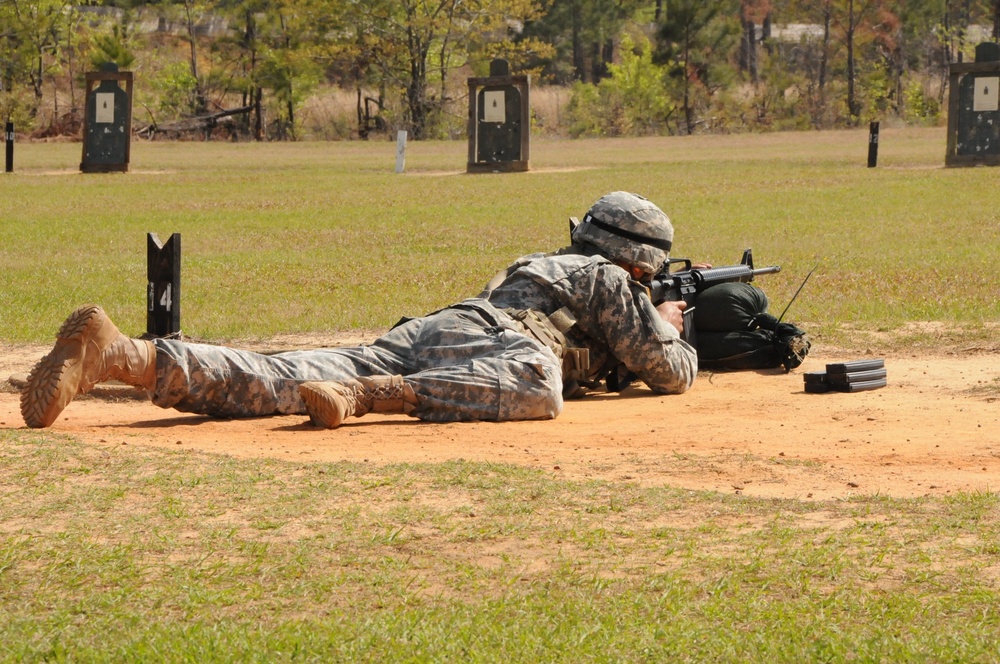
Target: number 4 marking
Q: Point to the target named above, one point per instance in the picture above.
(165, 299)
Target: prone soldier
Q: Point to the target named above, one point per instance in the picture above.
(549, 327)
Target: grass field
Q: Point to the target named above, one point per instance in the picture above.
(133, 553)
(138, 554)
(325, 236)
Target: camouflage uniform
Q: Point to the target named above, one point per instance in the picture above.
(467, 362)
(615, 321)
(470, 361)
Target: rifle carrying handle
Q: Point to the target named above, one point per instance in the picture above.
(677, 261)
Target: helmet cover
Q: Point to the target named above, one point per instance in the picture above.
(628, 228)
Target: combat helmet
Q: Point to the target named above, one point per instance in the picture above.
(627, 227)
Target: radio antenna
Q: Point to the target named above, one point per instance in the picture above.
(782, 316)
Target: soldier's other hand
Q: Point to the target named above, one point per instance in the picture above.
(701, 266)
(673, 313)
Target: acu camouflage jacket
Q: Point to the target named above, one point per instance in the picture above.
(614, 317)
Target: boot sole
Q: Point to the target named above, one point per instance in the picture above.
(39, 398)
(322, 407)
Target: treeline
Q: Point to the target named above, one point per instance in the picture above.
(246, 68)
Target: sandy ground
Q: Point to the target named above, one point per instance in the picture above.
(934, 430)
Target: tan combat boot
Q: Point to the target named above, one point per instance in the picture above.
(329, 403)
(89, 349)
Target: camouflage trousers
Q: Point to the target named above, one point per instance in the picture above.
(466, 362)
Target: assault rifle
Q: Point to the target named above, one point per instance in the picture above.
(687, 282)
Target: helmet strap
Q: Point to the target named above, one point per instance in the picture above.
(628, 235)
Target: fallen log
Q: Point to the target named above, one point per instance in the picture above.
(200, 123)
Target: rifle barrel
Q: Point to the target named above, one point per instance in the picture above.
(767, 270)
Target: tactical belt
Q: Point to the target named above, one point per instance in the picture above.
(550, 331)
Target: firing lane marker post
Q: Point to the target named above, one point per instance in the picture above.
(400, 150)
(163, 295)
(872, 144)
(9, 133)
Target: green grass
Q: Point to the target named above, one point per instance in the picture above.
(137, 554)
(129, 553)
(319, 237)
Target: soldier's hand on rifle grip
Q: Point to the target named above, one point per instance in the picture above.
(672, 312)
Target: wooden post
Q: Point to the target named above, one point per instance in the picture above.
(872, 144)
(9, 131)
(163, 296)
(400, 150)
